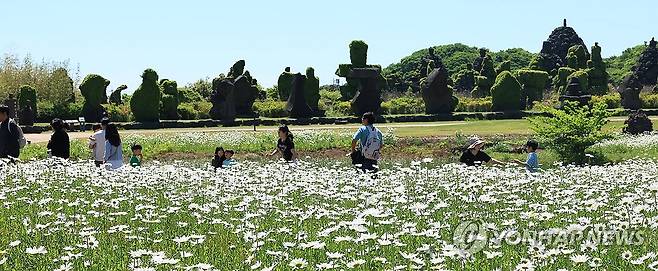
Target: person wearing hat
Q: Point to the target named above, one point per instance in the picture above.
(532, 163)
(474, 156)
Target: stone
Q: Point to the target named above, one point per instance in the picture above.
(437, 94)
(296, 105)
(11, 103)
(637, 123)
(223, 101)
(630, 92)
(553, 54)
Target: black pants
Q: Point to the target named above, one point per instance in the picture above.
(98, 163)
(366, 164)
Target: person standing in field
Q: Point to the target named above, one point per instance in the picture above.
(97, 142)
(369, 141)
(10, 135)
(59, 144)
(113, 155)
(285, 145)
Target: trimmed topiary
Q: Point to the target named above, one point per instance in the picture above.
(115, 97)
(486, 78)
(93, 89)
(170, 100)
(533, 83)
(237, 69)
(504, 66)
(464, 79)
(358, 53)
(27, 104)
(582, 76)
(145, 102)
(506, 93)
(312, 89)
(284, 84)
(560, 81)
(580, 54)
(598, 76)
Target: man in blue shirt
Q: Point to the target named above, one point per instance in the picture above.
(532, 163)
(361, 137)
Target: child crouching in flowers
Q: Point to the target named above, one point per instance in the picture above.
(219, 158)
(532, 163)
(229, 161)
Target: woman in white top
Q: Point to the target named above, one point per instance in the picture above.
(113, 153)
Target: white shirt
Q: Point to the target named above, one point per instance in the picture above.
(99, 145)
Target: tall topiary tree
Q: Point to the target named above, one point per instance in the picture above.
(27, 97)
(93, 88)
(115, 97)
(504, 66)
(145, 102)
(312, 89)
(533, 83)
(598, 76)
(170, 100)
(358, 53)
(506, 93)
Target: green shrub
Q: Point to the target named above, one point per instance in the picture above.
(358, 53)
(343, 108)
(474, 105)
(649, 100)
(170, 99)
(403, 105)
(506, 93)
(145, 102)
(571, 130)
(115, 96)
(271, 109)
(284, 84)
(93, 88)
(187, 111)
(612, 100)
(504, 66)
(27, 96)
(203, 109)
(118, 112)
(486, 79)
(533, 83)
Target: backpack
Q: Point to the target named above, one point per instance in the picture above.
(22, 141)
(373, 145)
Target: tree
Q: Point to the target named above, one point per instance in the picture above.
(572, 130)
(145, 102)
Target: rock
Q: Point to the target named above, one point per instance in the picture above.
(630, 92)
(437, 94)
(637, 123)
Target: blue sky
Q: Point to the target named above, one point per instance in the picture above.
(188, 40)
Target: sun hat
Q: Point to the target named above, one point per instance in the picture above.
(474, 141)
